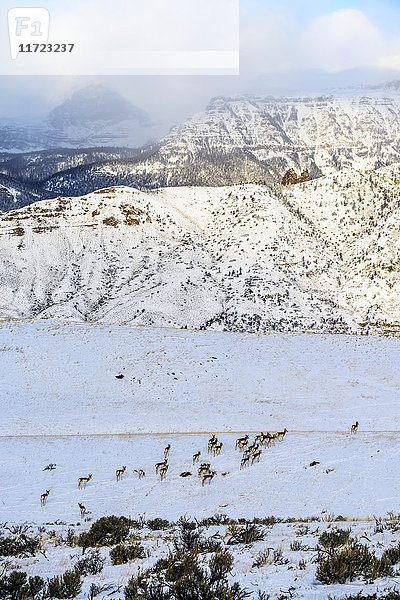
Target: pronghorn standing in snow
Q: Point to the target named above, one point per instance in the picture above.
(217, 448)
(83, 509)
(213, 440)
(281, 434)
(160, 465)
(203, 469)
(43, 498)
(241, 442)
(245, 461)
(354, 428)
(83, 481)
(256, 456)
(163, 472)
(208, 477)
(119, 473)
(196, 457)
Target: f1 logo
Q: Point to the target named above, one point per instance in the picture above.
(27, 25)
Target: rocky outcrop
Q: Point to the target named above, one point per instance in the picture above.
(290, 177)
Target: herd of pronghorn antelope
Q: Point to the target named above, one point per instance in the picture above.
(251, 453)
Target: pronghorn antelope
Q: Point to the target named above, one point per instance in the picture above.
(281, 434)
(119, 473)
(203, 469)
(163, 472)
(272, 437)
(83, 509)
(207, 477)
(43, 498)
(254, 447)
(217, 448)
(260, 438)
(140, 472)
(166, 450)
(265, 440)
(212, 442)
(354, 427)
(196, 457)
(241, 442)
(83, 481)
(256, 456)
(244, 462)
(160, 465)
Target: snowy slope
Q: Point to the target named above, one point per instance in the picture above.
(15, 194)
(189, 381)
(321, 256)
(354, 477)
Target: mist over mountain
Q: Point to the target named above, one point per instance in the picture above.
(94, 104)
(235, 140)
(92, 117)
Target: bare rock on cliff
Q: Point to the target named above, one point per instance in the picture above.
(290, 177)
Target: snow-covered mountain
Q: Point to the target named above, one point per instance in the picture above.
(34, 167)
(322, 255)
(15, 194)
(93, 104)
(92, 117)
(318, 133)
(234, 141)
(256, 140)
(21, 175)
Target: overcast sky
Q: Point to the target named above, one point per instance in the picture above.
(284, 45)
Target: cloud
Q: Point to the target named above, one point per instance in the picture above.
(341, 40)
(275, 40)
(284, 46)
(388, 62)
(125, 37)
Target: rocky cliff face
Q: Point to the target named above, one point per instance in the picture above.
(291, 177)
(257, 140)
(322, 134)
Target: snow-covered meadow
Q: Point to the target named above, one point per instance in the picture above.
(61, 402)
(353, 477)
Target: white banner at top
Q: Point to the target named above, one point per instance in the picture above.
(122, 37)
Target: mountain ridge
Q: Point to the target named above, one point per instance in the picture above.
(320, 256)
(257, 140)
